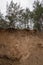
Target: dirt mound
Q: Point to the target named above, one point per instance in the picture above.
(36, 57)
(19, 47)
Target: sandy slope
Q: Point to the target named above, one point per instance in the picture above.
(21, 48)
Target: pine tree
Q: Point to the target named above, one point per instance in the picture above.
(1, 20)
(13, 14)
(26, 16)
(37, 14)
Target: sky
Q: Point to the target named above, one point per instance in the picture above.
(23, 3)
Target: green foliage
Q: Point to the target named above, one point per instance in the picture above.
(10, 13)
(26, 16)
(16, 14)
(37, 26)
(37, 14)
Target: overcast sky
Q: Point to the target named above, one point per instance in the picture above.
(24, 4)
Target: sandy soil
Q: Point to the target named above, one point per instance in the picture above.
(21, 47)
